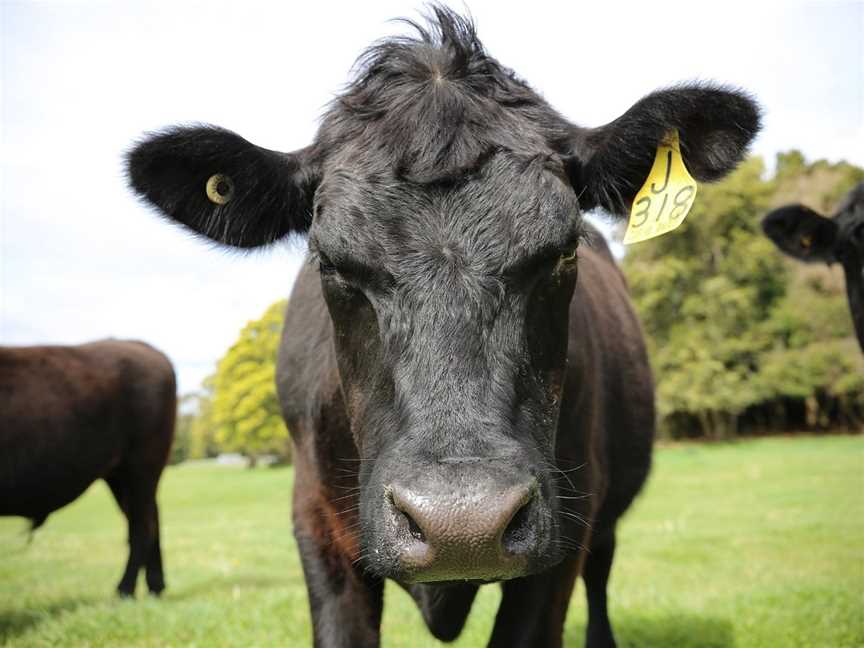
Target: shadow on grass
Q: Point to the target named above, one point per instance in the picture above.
(17, 622)
(683, 630)
(14, 623)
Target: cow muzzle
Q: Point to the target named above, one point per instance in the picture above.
(486, 531)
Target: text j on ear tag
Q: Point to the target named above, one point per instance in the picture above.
(665, 198)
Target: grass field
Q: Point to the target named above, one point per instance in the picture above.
(757, 543)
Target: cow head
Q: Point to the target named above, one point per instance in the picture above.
(809, 236)
(443, 200)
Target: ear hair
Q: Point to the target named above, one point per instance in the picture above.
(802, 233)
(716, 124)
(184, 170)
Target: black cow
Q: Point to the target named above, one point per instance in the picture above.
(809, 236)
(463, 409)
(70, 415)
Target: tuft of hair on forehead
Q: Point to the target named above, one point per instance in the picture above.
(433, 105)
(445, 47)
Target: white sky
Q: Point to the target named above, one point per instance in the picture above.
(80, 259)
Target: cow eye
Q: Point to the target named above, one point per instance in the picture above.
(325, 265)
(569, 256)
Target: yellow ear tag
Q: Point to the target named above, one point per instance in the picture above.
(665, 198)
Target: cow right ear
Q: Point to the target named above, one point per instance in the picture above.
(802, 233)
(223, 187)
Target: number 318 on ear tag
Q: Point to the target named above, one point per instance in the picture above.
(665, 198)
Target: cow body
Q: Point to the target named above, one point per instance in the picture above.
(461, 370)
(602, 457)
(72, 415)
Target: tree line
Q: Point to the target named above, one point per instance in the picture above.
(741, 340)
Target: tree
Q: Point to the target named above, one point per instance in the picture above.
(181, 448)
(731, 324)
(202, 435)
(243, 411)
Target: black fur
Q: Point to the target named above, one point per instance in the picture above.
(272, 190)
(715, 126)
(438, 343)
(802, 233)
(436, 105)
(433, 108)
(809, 236)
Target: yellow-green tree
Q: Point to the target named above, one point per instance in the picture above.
(244, 412)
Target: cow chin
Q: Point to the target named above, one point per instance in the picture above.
(458, 519)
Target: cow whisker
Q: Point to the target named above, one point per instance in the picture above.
(571, 544)
(577, 517)
(569, 470)
(343, 497)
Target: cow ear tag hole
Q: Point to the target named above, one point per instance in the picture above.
(665, 198)
(220, 189)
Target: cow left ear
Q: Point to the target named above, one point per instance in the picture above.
(608, 165)
(223, 187)
(802, 233)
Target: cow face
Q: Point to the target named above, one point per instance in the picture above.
(449, 305)
(442, 199)
(809, 236)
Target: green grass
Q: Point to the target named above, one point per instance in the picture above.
(758, 543)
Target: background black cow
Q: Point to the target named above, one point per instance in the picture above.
(809, 236)
(70, 415)
(463, 409)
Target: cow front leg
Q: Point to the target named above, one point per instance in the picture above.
(533, 609)
(345, 602)
(598, 564)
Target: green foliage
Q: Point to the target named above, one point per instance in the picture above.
(203, 443)
(239, 411)
(182, 438)
(732, 324)
(246, 413)
(819, 185)
(186, 443)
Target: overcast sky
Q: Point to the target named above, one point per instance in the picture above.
(80, 259)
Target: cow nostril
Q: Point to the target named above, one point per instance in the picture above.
(517, 535)
(414, 529)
